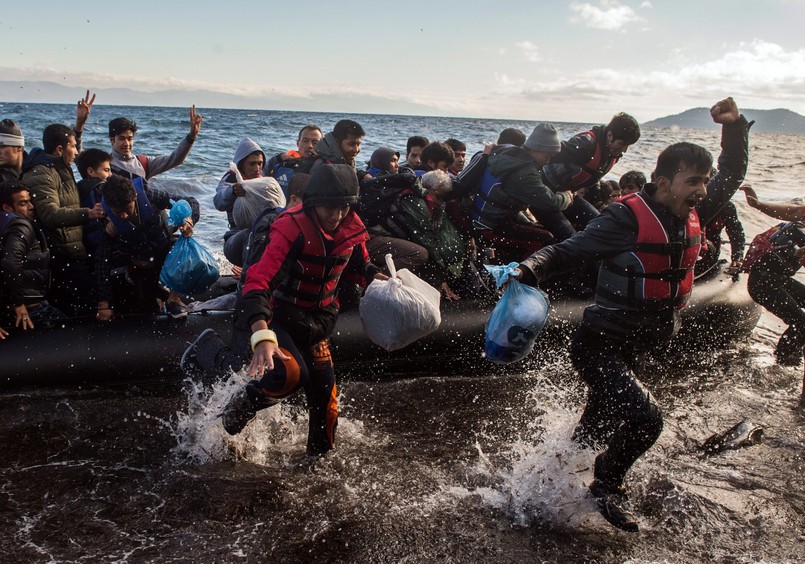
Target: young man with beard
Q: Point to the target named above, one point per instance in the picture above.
(648, 244)
(583, 160)
(49, 177)
(24, 260)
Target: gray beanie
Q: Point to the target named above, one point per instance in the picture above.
(10, 134)
(544, 138)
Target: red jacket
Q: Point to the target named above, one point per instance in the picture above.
(302, 264)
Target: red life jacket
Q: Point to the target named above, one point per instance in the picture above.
(314, 272)
(594, 169)
(781, 241)
(657, 273)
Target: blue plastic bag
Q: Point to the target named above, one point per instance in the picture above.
(179, 212)
(189, 268)
(516, 320)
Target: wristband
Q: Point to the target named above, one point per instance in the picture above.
(263, 335)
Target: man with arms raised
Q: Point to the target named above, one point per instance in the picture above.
(126, 163)
(648, 244)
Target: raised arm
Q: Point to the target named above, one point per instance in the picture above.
(81, 114)
(786, 212)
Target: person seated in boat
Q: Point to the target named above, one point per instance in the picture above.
(459, 156)
(12, 142)
(648, 244)
(601, 194)
(290, 307)
(381, 187)
(249, 159)
(94, 166)
(511, 136)
(259, 231)
(583, 160)
(12, 150)
(512, 184)
(772, 260)
(126, 163)
(384, 160)
(341, 146)
(24, 262)
(428, 225)
(435, 156)
(631, 182)
(283, 166)
(413, 150)
(138, 233)
(48, 174)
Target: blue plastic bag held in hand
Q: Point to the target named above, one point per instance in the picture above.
(516, 320)
(179, 213)
(189, 268)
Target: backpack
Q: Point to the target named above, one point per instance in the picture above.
(258, 239)
(379, 195)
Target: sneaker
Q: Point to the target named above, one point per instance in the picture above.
(611, 504)
(176, 310)
(188, 360)
(239, 411)
(789, 350)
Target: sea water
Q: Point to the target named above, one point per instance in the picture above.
(475, 467)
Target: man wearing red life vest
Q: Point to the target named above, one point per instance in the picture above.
(292, 290)
(648, 243)
(583, 160)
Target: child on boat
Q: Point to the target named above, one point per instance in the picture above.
(290, 304)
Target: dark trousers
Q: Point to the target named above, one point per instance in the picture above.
(302, 336)
(620, 413)
(562, 224)
(515, 241)
(771, 286)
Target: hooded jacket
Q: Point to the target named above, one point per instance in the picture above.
(55, 197)
(225, 197)
(520, 185)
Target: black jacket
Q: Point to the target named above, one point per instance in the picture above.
(24, 263)
(615, 231)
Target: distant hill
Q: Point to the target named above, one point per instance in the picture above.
(768, 121)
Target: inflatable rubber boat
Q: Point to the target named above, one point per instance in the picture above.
(139, 348)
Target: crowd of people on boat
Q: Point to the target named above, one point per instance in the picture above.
(310, 225)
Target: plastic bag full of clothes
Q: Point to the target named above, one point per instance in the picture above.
(398, 311)
(517, 319)
(189, 268)
(260, 193)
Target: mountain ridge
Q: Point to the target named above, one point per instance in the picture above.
(779, 120)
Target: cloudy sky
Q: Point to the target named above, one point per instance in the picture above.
(524, 59)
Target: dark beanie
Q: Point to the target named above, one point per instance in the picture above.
(544, 138)
(10, 134)
(331, 185)
(381, 158)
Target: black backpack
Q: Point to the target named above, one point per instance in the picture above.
(379, 195)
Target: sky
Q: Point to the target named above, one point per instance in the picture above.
(521, 59)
